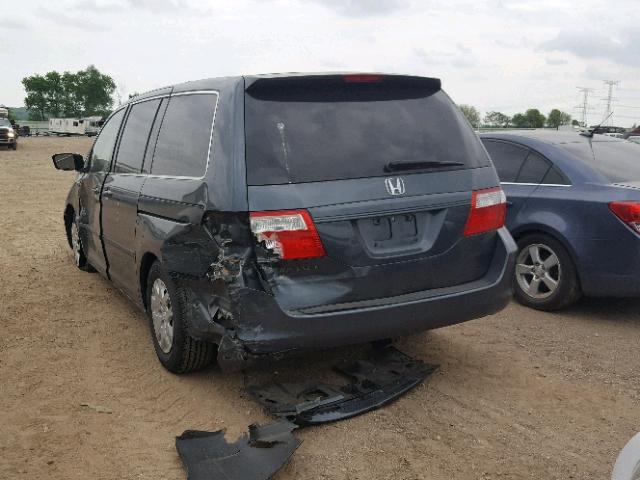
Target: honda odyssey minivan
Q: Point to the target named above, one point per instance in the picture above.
(255, 215)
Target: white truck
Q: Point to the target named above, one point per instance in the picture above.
(89, 126)
(4, 112)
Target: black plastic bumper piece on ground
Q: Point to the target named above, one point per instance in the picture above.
(375, 382)
(257, 456)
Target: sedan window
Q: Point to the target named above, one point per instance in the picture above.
(534, 169)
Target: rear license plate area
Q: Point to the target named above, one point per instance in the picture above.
(389, 231)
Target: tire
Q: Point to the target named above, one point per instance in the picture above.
(546, 280)
(177, 351)
(79, 257)
(15, 146)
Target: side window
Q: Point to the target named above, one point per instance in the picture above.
(534, 169)
(102, 151)
(554, 176)
(507, 158)
(183, 142)
(135, 136)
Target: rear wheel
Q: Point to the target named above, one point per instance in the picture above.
(167, 307)
(545, 276)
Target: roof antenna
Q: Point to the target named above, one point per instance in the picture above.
(589, 133)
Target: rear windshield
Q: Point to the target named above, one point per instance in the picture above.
(331, 129)
(616, 160)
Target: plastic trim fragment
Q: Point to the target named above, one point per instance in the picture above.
(256, 456)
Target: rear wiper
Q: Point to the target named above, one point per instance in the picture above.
(422, 165)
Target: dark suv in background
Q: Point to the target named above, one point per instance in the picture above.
(257, 215)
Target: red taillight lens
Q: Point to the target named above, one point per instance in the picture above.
(628, 212)
(362, 78)
(488, 209)
(291, 234)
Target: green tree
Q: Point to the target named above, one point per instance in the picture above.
(535, 119)
(95, 90)
(37, 89)
(71, 103)
(472, 114)
(496, 119)
(55, 93)
(84, 93)
(557, 118)
(519, 121)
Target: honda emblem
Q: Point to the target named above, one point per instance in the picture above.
(395, 185)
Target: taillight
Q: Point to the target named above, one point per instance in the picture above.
(488, 209)
(291, 234)
(628, 212)
(362, 78)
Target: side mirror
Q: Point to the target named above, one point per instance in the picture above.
(68, 161)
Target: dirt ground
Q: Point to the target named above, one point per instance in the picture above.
(521, 394)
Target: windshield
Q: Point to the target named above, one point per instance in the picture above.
(618, 161)
(4, 122)
(353, 130)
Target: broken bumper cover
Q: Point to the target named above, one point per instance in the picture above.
(264, 328)
(375, 382)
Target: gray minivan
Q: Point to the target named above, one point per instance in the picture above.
(257, 215)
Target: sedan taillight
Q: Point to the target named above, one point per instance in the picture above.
(628, 212)
(291, 234)
(488, 210)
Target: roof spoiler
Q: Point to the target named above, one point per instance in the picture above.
(341, 87)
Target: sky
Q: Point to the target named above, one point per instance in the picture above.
(502, 55)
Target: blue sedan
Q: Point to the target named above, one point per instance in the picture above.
(574, 210)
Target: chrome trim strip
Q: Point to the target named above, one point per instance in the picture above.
(537, 184)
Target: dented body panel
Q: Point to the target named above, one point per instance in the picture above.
(423, 274)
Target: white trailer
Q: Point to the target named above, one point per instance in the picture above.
(89, 126)
(4, 112)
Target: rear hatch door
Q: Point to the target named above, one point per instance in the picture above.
(385, 166)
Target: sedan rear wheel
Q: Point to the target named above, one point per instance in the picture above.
(545, 277)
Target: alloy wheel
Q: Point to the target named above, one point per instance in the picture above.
(538, 271)
(162, 315)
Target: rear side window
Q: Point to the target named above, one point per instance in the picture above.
(182, 148)
(135, 136)
(329, 128)
(616, 160)
(534, 169)
(507, 158)
(554, 177)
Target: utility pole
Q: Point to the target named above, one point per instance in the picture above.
(584, 106)
(610, 99)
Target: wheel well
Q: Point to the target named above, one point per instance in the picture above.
(557, 238)
(68, 218)
(145, 265)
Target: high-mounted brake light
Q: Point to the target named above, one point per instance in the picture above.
(488, 210)
(362, 78)
(291, 234)
(628, 212)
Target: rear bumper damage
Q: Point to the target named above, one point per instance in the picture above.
(254, 324)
